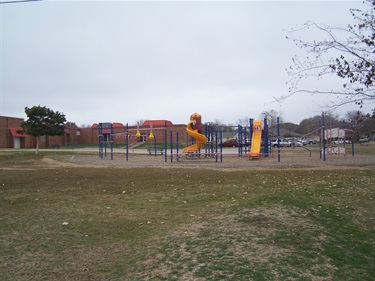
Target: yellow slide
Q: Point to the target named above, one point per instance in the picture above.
(255, 142)
(200, 139)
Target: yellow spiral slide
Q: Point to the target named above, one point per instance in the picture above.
(199, 138)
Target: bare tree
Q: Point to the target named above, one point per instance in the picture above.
(244, 121)
(352, 115)
(139, 122)
(70, 124)
(347, 53)
(271, 116)
(361, 123)
(217, 125)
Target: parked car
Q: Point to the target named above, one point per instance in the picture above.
(338, 141)
(309, 141)
(341, 141)
(283, 143)
(296, 143)
(229, 143)
(364, 139)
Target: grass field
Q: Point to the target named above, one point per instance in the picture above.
(81, 223)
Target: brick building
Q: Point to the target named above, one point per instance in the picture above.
(9, 138)
(158, 128)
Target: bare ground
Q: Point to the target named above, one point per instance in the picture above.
(228, 161)
(250, 236)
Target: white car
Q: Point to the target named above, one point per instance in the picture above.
(297, 144)
(338, 142)
(283, 143)
(309, 141)
(341, 141)
(364, 139)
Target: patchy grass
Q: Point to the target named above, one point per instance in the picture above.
(74, 223)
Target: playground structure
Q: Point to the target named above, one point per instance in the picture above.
(254, 134)
(326, 135)
(205, 141)
(256, 139)
(105, 138)
(194, 129)
(203, 144)
(339, 143)
(335, 134)
(334, 143)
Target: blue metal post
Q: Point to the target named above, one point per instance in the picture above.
(165, 142)
(352, 127)
(127, 142)
(239, 139)
(265, 137)
(323, 137)
(177, 150)
(251, 129)
(221, 147)
(320, 140)
(155, 146)
(100, 140)
(212, 140)
(111, 141)
(207, 134)
(171, 144)
(278, 139)
(216, 146)
(111, 149)
(245, 139)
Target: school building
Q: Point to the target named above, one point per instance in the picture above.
(11, 138)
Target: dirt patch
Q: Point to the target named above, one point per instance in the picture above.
(53, 163)
(250, 239)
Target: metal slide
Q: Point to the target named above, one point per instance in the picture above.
(200, 139)
(256, 140)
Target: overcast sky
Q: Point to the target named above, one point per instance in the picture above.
(124, 61)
